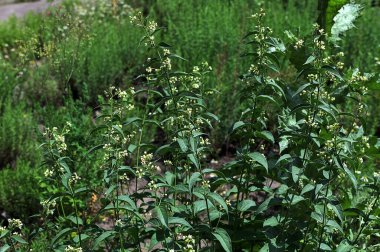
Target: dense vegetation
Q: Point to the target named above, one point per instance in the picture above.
(190, 126)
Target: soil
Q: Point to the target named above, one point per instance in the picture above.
(21, 9)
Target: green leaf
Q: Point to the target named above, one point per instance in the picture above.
(264, 248)
(194, 160)
(164, 45)
(282, 158)
(75, 220)
(267, 97)
(296, 199)
(216, 197)
(195, 177)
(307, 188)
(199, 206)
(333, 71)
(283, 144)
(352, 177)
(325, 247)
(310, 59)
(316, 216)
(126, 198)
(131, 148)
(344, 246)
(296, 172)
(4, 248)
(259, 158)
(102, 237)
(177, 56)
(224, 239)
(82, 237)
(271, 222)
(162, 216)
(267, 135)
(97, 147)
(264, 205)
(182, 145)
(328, 109)
(181, 221)
(301, 88)
(19, 239)
(65, 181)
(212, 116)
(236, 126)
(119, 130)
(4, 233)
(250, 34)
(61, 234)
(164, 149)
(110, 190)
(337, 208)
(80, 190)
(64, 165)
(132, 120)
(245, 205)
(354, 212)
(334, 224)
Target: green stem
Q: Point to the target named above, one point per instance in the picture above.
(76, 215)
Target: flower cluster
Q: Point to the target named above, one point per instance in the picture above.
(48, 206)
(74, 178)
(148, 166)
(73, 249)
(189, 244)
(299, 44)
(58, 138)
(119, 223)
(15, 223)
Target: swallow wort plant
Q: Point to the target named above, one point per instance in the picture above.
(314, 155)
(302, 178)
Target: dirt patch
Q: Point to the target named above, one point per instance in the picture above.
(21, 9)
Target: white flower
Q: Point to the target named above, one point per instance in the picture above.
(15, 223)
(344, 20)
(195, 69)
(48, 173)
(152, 26)
(299, 44)
(119, 223)
(149, 70)
(74, 178)
(364, 179)
(72, 249)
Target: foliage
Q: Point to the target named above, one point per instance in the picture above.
(16, 136)
(137, 171)
(22, 200)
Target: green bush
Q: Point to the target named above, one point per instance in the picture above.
(302, 178)
(301, 175)
(20, 192)
(17, 135)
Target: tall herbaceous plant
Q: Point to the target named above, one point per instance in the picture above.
(302, 178)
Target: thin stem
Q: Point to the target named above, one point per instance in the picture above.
(76, 215)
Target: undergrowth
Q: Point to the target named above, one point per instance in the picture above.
(232, 139)
(303, 177)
